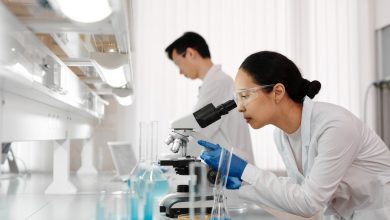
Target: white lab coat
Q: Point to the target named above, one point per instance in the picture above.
(231, 130)
(346, 169)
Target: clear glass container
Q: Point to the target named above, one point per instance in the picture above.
(220, 211)
(112, 206)
(198, 188)
(153, 171)
(148, 182)
(142, 165)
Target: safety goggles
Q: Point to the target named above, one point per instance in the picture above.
(244, 96)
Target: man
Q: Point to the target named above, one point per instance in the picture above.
(191, 54)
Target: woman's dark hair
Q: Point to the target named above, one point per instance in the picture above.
(192, 40)
(268, 68)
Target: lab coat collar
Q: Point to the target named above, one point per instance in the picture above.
(305, 132)
(305, 135)
(210, 74)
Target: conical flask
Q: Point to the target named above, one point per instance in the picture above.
(153, 172)
(220, 211)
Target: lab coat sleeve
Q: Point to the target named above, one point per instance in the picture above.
(337, 148)
(216, 93)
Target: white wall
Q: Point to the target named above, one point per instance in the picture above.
(330, 40)
(382, 15)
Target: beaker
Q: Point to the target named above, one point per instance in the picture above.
(220, 211)
(112, 206)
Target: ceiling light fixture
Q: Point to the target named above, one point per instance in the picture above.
(123, 96)
(110, 67)
(84, 11)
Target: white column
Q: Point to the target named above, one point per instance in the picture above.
(61, 158)
(87, 167)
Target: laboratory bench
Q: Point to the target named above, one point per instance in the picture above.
(24, 198)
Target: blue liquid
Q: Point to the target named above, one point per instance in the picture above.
(99, 211)
(140, 188)
(134, 208)
(160, 183)
(222, 218)
(148, 210)
(138, 184)
(160, 188)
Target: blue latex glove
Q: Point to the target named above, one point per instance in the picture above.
(233, 183)
(211, 157)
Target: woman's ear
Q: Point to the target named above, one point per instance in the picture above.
(279, 92)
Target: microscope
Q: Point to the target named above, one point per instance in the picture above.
(183, 128)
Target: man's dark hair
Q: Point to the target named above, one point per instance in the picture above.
(192, 40)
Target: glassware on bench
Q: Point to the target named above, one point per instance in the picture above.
(220, 211)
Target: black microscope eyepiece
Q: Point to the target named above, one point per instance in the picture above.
(224, 108)
(209, 114)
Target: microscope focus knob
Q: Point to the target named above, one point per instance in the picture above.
(183, 188)
(169, 140)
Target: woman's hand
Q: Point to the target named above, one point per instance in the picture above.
(212, 156)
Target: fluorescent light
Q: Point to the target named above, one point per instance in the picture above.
(21, 70)
(123, 96)
(85, 11)
(113, 77)
(125, 101)
(110, 67)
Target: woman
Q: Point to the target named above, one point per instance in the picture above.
(334, 162)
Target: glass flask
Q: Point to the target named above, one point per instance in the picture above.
(155, 175)
(149, 204)
(220, 211)
(132, 202)
(142, 165)
(153, 171)
(147, 179)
